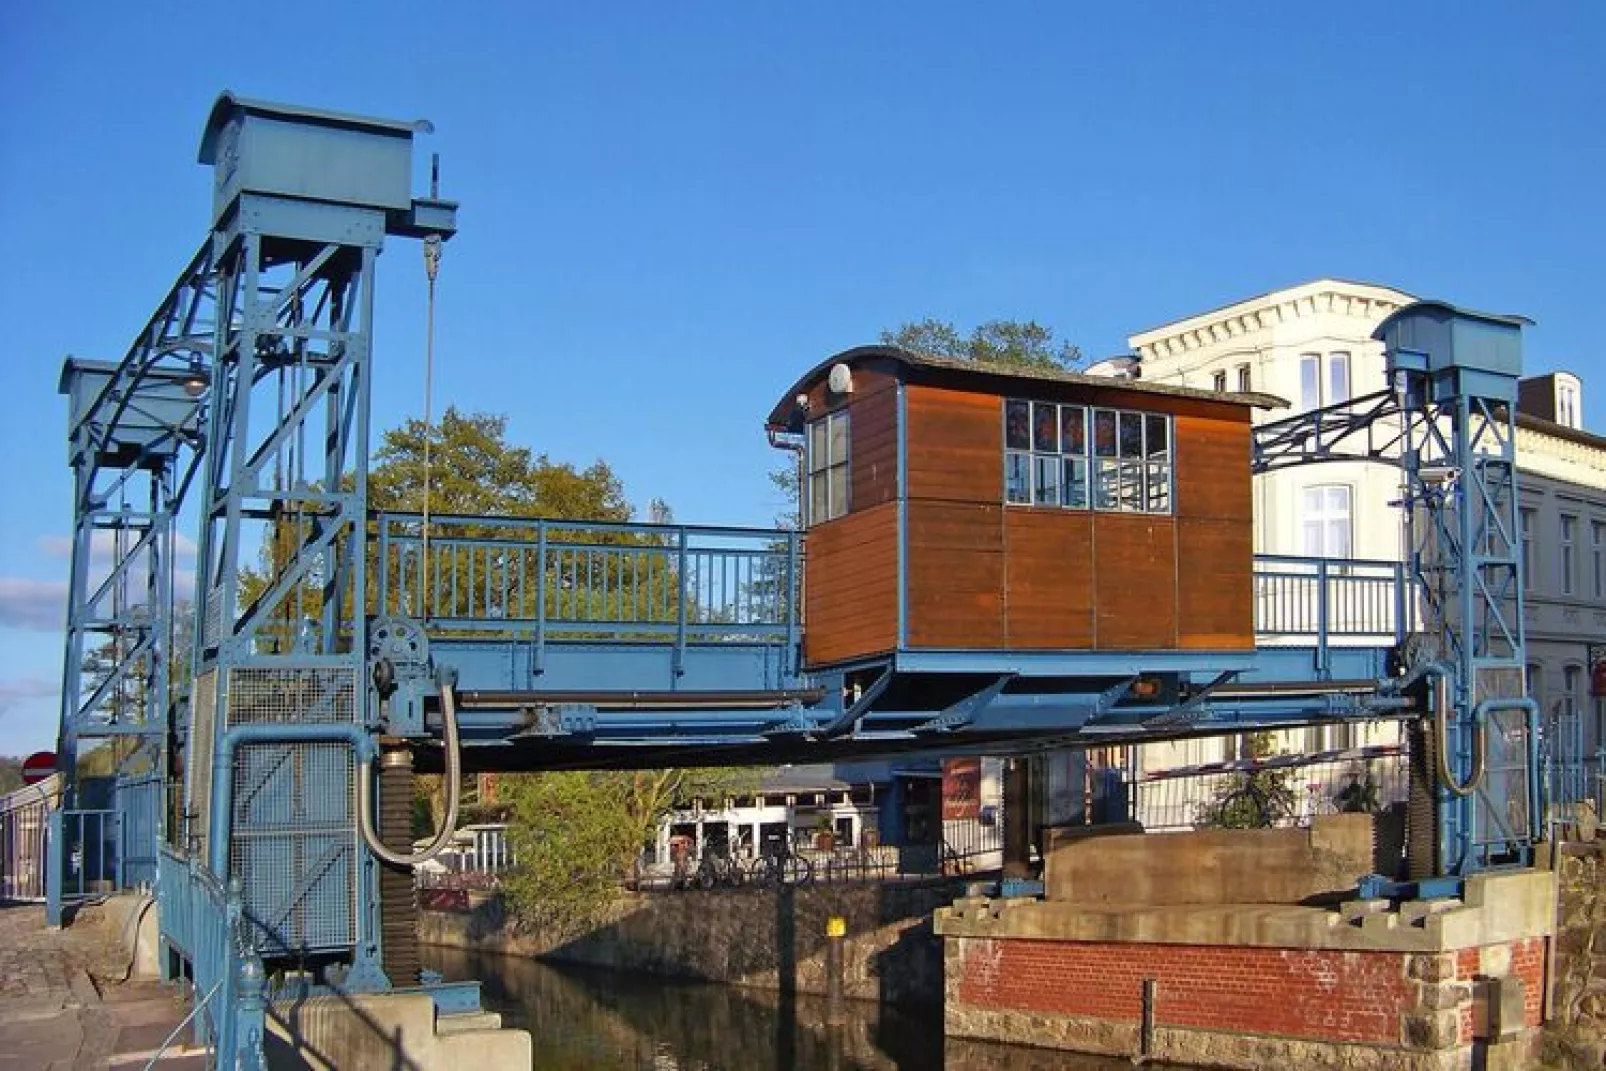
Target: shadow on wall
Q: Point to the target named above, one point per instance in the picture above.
(771, 939)
(583, 1018)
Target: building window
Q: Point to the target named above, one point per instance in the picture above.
(1327, 521)
(1337, 379)
(1569, 552)
(1525, 524)
(1572, 681)
(1074, 457)
(1245, 382)
(1323, 383)
(828, 468)
(1566, 406)
(1218, 382)
(1536, 683)
(1597, 557)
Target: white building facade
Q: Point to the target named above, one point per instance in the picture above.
(1312, 345)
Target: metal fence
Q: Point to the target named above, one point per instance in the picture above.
(24, 820)
(204, 926)
(1573, 778)
(589, 580)
(1283, 790)
(1329, 598)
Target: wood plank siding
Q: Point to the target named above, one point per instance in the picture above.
(956, 446)
(850, 591)
(1074, 579)
(956, 574)
(982, 575)
(873, 449)
(1215, 541)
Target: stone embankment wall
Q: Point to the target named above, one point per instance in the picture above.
(770, 938)
(1578, 988)
(1251, 970)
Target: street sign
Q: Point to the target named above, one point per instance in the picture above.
(38, 766)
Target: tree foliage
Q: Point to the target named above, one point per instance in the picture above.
(576, 835)
(474, 470)
(1254, 799)
(1014, 343)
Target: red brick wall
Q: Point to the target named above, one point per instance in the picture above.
(1527, 963)
(1332, 995)
(1346, 996)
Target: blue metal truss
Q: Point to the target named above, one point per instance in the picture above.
(304, 202)
(321, 629)
(1447, 421)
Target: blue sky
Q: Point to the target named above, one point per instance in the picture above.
(670, 210)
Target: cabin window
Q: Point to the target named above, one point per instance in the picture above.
(827, 463)
(1075, 457)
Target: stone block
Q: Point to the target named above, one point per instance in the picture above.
(1430, 1029)
(1355, 910)
(1494, 960)
(1217, 866)
(1437, 996)
(1431, 967)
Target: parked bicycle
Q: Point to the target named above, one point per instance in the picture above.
(780, 868)
(720, 871)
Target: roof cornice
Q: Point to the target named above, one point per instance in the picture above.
(1367, 301)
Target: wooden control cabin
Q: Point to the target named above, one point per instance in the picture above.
(960, 507)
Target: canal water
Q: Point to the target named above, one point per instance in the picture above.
(610, 1021)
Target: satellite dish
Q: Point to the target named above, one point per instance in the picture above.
(841, 379)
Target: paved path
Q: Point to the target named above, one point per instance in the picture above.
(65, 1001)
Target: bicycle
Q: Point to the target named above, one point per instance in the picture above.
(780, 868)
(720, 870)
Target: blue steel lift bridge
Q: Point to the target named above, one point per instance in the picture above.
(285, 726)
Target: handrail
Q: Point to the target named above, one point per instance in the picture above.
(623, 527)
(607, 579)
(206, 925)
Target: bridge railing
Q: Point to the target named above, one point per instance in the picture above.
(204, 925)
(1343, 600)
(24, 822)
(590, 580)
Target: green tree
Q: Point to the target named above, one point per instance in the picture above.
(1254, 799)
(474, 470)
(10, 773)
(577, 834)
(1017, 343)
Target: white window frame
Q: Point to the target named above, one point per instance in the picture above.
(832, 471)
(1318, 379)
(1138, 483)
(1572, 679)
(1319, 513)
(1568, 564)
(1597, 557)
(1218, 381)
(1246, 379)
(1525, 535)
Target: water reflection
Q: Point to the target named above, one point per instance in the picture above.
(610, 1021)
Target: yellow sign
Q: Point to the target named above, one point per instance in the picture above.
(836, 926)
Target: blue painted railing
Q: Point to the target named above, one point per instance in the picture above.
(204, 925)
(590, 580)
(1301, 599)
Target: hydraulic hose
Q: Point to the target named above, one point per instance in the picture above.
(454, 788)
(1441, 750)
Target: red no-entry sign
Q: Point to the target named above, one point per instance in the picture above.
(38, 766)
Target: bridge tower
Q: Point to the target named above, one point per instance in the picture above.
(281, 719)
(1455, 378)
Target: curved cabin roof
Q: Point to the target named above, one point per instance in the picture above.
(986, 379)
